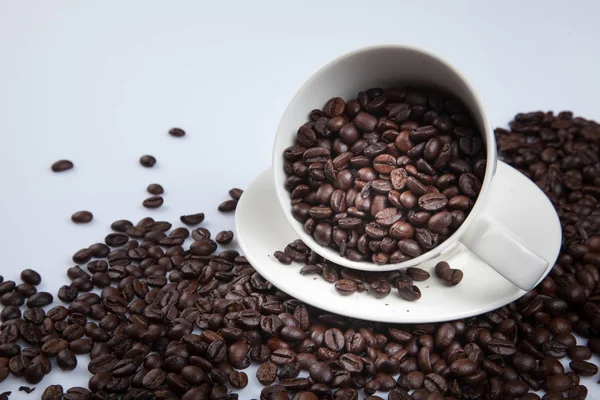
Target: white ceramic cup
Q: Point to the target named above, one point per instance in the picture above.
(395, 65)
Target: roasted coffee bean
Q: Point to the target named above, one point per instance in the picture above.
(266, 373)
(224, 237)
(192, 219)
(228, 206)
(53, 392)
(381, 288)
(82, 217)
(176, 132)
(40, 299)
(31, 277)
(153, 202)
(66, 360)
(238, 379)
(12, 299)
(147, 161)
(408, 291)
(583, 368)
(452, 277)
(346, 287)
(417, 274)
(155, 189)
(62, 165)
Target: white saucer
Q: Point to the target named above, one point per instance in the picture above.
(262, 229)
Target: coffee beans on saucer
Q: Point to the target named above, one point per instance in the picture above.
(397, 164)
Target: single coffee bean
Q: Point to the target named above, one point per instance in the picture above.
(176, 132)
(153, 202)
(346, 287)
(147, 161)
(192, 219)
(452, 277)
(66, 360)
(224, 237)
(381, 288)
(40, 299)
(583, 368)
(30, 276)
(62, 165)
(82, 217)
(53, 392)
(155, 189)
(121, 225)
(417, 274)
(228, 206)
(408, 291)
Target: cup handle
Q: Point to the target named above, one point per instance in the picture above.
(500, 249)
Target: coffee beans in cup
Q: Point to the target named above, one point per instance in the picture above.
(403, 165)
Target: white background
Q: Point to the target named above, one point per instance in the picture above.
(100, 83)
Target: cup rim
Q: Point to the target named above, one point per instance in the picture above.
(367, 265)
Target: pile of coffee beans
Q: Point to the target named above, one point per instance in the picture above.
(175, 322)
(348, 281)
(399, 164)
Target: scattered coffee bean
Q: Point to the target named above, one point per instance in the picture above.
(417, 274)
(62, 165)
(30, 276)
(176, 132)
(82, 217)
(192, 219)
(224, 237)
(26, 389)
(155, 189)
(408, 291)
(228, 206)
(346, 287)
(236, 193)
(283, 258)
(147, 161)
(153, 202)
(452, 277)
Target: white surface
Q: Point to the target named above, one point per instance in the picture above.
(378, 66)
(261, 230)
(101, 82)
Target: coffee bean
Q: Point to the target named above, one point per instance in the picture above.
(381, 288)
(62, 165)
(346, 287)
(238, 380)
(192, 219)
(417, 274)
(155, 189)
(147, 161)
(121, 225)
(66, 360)
(82, 217)
(228, 206)
(176, 132)
(224, 237)
(30, 276)
(12, 299)
(153, 202)
(53, 392)
(583, 368)
(452, 277)
(408, 291)
(40, 299)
